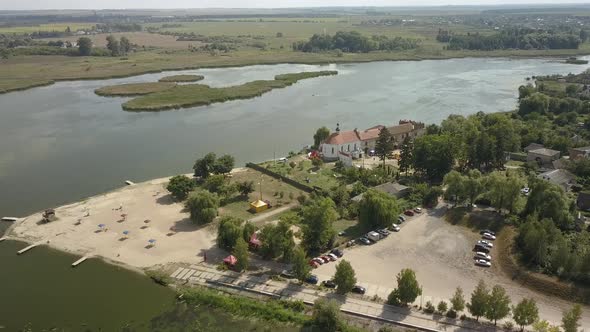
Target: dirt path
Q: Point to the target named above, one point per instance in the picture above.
(267, 215)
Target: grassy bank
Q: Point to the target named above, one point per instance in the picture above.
(199, 95)
(18, 73)
(134, 89)
(182, 78)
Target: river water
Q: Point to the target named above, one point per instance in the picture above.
(61, 143)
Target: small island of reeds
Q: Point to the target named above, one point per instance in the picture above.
(182, 78)
(166, 97)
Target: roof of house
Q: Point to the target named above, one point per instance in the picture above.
(560, 177)
(545, 152)
(371, 133)
(582, 149)
(392, 188)
(343, 137)
(533, 146)
(401, 129)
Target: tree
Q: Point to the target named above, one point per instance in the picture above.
(215, 183)
(498, 305)
(204, 166)
(479, 300)
(377, 210)
(344, 278)
(525, 313)
(408, 288)
(571, 319)
(544, 326)
(317, 162)
(406, 155)
(276, 240)
(113, 45)
(442, 307)
(228, 232)
(535, 103)
(300, 264)
(456, 189)
(84, 46)
(326, 315)
(320, 136)
(434, 155)
(318, 217)
(124, 45)
(223, 164)
(384, 145)
(249, 229)
(245, 187)
(242, 255)
(473, 185)
(458, 300)
(547, 200)
(504, 190)
(179, 186)
(203, 206)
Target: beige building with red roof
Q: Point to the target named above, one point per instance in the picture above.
(356, 143)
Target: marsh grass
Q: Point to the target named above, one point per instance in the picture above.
(134, 89)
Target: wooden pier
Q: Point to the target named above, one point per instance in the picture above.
(129, 183)
(22, 251)
(78, 262)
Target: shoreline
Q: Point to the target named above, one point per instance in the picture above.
(48, 82)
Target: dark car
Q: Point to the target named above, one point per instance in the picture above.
(288, 274)
(329, 284)
(401, 219)
(312, 279)
(359, 289)
(383, 232)
(480, 248)
(409, 213)
(337, 252)
(364, 240)
(487, 231)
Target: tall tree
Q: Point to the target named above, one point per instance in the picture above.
(456, 188)
(180, 186)
(525, 313)
(479, 300)
(223, 164)
(326, 315)
(458, 300)
(384, 145)
(406, 155)
(113, 45)
(434, 155)
(300, 264)
(276, 239)
(571, 319)
(498, 305)
(242, 255)
(203, 206)
(318, 217)
(124, 45)
(377, 210)
(344, 277)
(204, 166)
(473, 185)
(228, 233)
(245, 187)
(408, 288)
(320, 135)
(84, 46)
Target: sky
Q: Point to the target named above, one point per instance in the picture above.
(160, 4)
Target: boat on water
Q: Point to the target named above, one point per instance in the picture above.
(10, 219)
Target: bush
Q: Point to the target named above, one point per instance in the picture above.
(159, 277)
(508, 326)
(442, 307)
(429, 308)
(451, 314)
(180, 186)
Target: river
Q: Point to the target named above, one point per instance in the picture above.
(61, 143)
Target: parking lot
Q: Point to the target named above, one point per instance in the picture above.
(442, 256)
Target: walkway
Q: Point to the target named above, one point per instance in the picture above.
(208, 276)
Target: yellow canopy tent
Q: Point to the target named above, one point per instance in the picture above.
(258, 206)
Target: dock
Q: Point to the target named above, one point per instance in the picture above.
(22, 251)
(79, 261)
(129, 183)
(11, 219)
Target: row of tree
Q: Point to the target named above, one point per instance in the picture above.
(354, 42)
(118, 47)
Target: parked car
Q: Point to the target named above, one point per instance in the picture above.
(418, 210)
(337, 252)
(525, 191)
(395, 228)
(318, 260)
(373, 236)
(288, 274)
(487, 231)
(364, 240)
(481, 248)
(483, 255)
(488, 236)
(342, 233)
(384, 232)
(482, 262)
(485, 243)
(329, 284)
(312, 279)
(409, 213)
(358, 289)
(314, 264)
(402, 218)
(326, 259)
(332, 257)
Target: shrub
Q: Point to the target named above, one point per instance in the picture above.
(508, 326)
(442, 307)
(451, 314)
(159, 277)
(429, 308)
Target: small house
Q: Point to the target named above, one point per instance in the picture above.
(579, 153)
(533, 146)
(394, 189)
(560, 177)
(543, 157)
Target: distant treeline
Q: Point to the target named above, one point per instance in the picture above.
(517, 38)
(355, 42)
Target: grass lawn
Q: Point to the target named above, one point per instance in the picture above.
(475, 220)
(324, 177)
(515, 163)
(134, 89)
(271, 191)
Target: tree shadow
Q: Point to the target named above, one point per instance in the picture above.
(186, 225)
(165, 200)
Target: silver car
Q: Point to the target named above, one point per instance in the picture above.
(482, 262)
(483, 255)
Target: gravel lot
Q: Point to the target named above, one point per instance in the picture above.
(442, 256)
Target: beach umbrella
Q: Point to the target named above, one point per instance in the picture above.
(152, 241)
(101, 225)
(125, 232)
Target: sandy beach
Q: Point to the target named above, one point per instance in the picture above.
(145, 211)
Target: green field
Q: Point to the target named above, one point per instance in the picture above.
(304, 172)
(46, 27)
